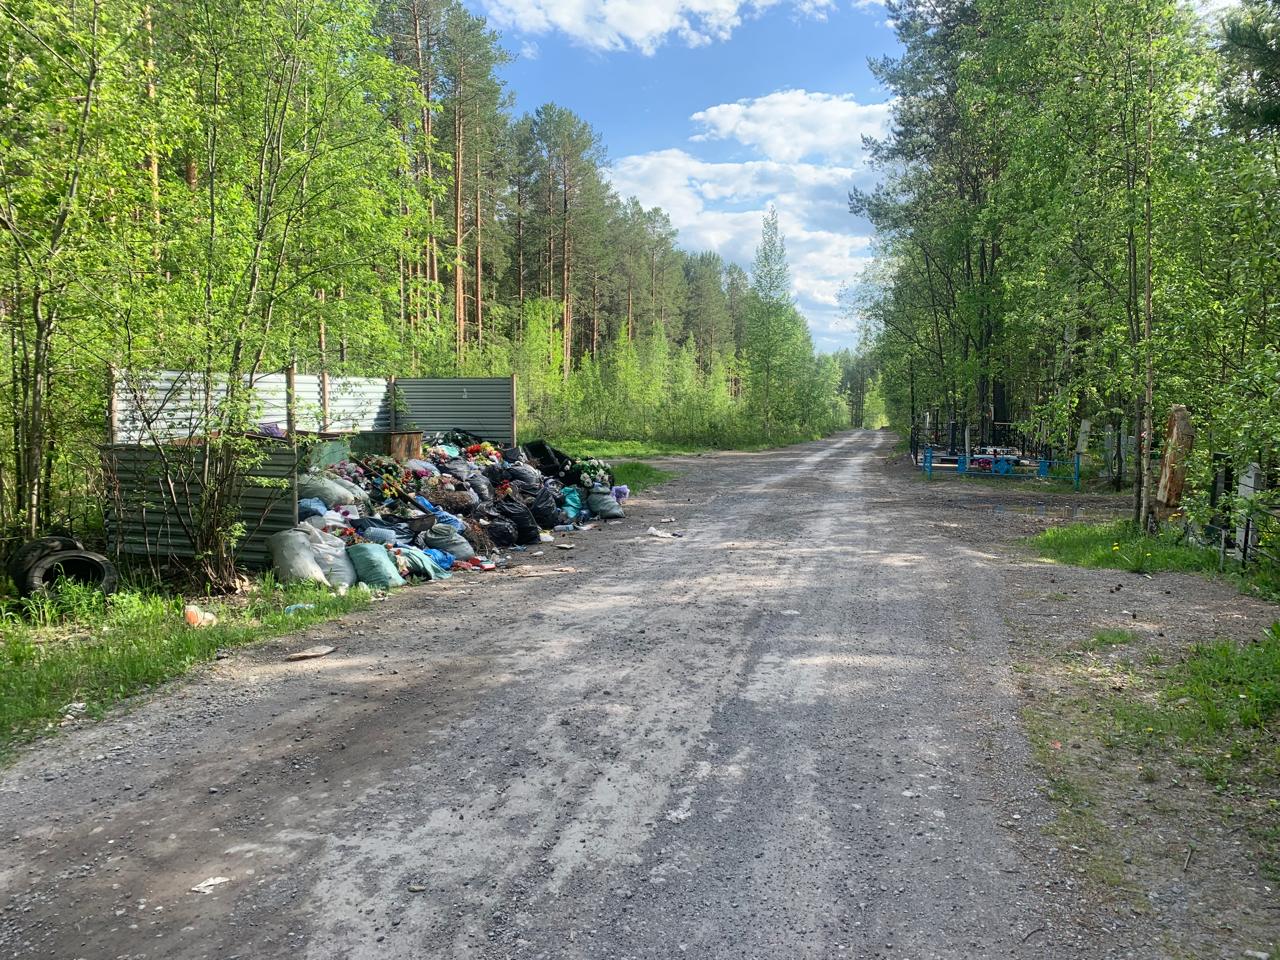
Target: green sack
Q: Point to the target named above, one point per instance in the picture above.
(374, 565)
(421, 565)
(602, 504)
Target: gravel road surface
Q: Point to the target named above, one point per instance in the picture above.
(790, 733)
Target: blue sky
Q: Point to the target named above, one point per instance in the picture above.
(713, 109)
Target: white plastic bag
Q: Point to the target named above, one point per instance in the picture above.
(331, 555)
(324, 488)
(292, 557)
(356, 491)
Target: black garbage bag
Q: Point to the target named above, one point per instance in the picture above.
(548, 459)
(501, 531)
(555, 463)
(481, 486)
(513, 454)
(521, 517)
(456, 437)
(523, 475)
(543, 507)
(458, 468)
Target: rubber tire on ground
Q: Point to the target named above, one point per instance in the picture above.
(33, 551)
(84, 566)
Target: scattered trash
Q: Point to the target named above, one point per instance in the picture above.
(537, 553)
(417, 888)
(298, 608)
(75, 709)
(311, 653)
(667, 520)
(459, 504)
(206, 886)
(196, 617)
(791, 613)
(662, 534)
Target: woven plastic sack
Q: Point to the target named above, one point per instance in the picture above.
(324, 488)
(602, 504)
(331, 554)
(444, 537)
(292, 557)
(374, 565)
(356, 491)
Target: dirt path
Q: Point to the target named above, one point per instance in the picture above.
(791, 733)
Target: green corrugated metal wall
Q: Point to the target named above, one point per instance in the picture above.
(141, 523)
(483, 406)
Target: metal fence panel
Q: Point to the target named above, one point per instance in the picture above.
(142, 522)
(171, 405)
(483, 406)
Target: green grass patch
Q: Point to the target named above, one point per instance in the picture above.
(639, 476)
(624, 449)
(1121, 546)
(77, 646)
(1223, 703)
(1110, 638)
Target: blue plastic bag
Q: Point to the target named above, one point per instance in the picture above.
(311, 507)
(442, 515)
(421, 564)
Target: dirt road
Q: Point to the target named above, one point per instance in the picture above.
(790, 733)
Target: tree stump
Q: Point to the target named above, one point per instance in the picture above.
(1180, 436)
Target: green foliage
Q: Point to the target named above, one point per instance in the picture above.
(229, 189)
(1121, 546)
(1078, 221)
(1110, 638)
(639, 476)
(79, 647)
(1220, 705)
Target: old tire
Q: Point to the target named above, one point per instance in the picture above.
(83, 566)
(35, 550)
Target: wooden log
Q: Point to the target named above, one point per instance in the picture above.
(1180, 436)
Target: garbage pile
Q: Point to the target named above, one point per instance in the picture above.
(380, 522)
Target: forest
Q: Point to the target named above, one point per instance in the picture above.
(1078, 220)
(231, 188)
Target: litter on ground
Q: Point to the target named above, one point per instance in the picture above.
(377, 522)
(663, 534)
(311, 653)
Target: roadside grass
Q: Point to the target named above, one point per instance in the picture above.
(640, 476)
(76, 646)
(623, 449)
(1218, 710)
(1110, 638)
(633, 449)
(1136, 717)
(1121, 546)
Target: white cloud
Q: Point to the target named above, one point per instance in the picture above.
(529, 50)
(641, 24)
(719, 206)
(790, 125)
